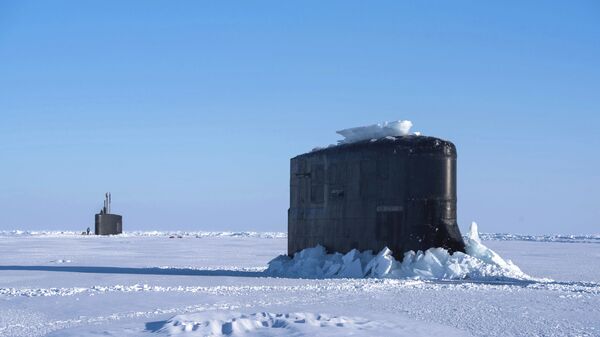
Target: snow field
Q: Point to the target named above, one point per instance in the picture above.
(170, 234)
(565, 238)
(156, 285)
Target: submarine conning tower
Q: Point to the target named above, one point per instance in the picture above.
(107, 223)
(395, 192)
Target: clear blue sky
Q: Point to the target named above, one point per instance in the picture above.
(189, 111)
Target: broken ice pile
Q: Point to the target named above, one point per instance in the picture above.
(479, 263)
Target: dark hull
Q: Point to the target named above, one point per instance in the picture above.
(108, 224)
(396, 193)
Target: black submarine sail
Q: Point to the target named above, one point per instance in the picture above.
(392, 191)
(107, 223)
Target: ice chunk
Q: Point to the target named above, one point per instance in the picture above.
(475, 248)
(352, 269)
(351, 256)
(381, 265)
(375, 131)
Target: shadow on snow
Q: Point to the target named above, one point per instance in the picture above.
(138, 271)
(243, 273)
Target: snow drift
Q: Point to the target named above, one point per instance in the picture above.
(479, 263)
(259, 324)
(375, 131)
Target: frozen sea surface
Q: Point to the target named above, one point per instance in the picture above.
(213, 285)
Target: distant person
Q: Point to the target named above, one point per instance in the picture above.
(88, 231)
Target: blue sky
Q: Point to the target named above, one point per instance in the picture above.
(189, 111)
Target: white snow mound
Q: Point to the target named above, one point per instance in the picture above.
(259, 324)
(375, 131)
(480, 263)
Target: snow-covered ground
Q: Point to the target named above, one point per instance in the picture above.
(192, 284)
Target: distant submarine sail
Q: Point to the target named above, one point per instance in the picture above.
(107, 223)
